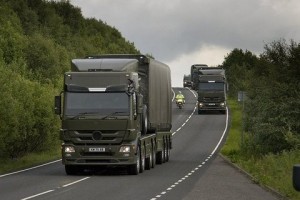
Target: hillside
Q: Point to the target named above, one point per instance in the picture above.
(37, 41)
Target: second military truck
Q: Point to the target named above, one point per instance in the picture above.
(211, 89)
(115, 111)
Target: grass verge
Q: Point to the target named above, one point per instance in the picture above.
(273, 171)
(30, 160)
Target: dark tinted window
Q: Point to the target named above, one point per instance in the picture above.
(103, 103)
(211, 86)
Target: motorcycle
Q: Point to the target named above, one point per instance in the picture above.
(179, 103)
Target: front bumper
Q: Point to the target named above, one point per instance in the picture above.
(212, 106)
(98, 155)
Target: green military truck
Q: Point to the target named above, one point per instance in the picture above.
(187, 82)
(211, 89)
(115, 111)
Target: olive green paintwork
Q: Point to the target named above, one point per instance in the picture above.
(211, 99)
(151, 82)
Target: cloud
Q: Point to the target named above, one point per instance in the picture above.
(171, 30)
(207, 54)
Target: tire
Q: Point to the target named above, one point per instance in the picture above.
(165, 151)
(149, 160)
(168, 151)
(135, 169)
(71, 169)
(223, 112)
(161, 155)
(142, 158)
(153, 156)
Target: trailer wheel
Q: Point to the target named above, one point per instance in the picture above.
(135, 169)
(149, 160)
(142, 158)
(161, 155)
(168, 151)
(165, 150)
(153, 155)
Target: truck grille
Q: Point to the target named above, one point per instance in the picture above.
(88, 137)
(211, 99)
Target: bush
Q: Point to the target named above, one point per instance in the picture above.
(27, 120)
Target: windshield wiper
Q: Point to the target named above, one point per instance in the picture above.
(112, 114)
(84, 114)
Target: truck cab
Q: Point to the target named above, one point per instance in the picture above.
(211, 94)
(211, 90)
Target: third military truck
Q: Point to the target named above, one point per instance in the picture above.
(211, 89)
(115, 111)
(195, 74)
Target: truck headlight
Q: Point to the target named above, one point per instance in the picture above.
(125, 149)
(200, 104)
(69, 149)
(222, 104)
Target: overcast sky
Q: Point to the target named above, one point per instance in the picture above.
(185, 32)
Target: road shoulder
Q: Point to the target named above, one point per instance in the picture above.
(224, 180)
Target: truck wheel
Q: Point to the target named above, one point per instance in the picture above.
(223, 112)
(168, 151)
(161, 155)
(153, 156)
(144, 121)
(142, 158)
(149, 160)
(71, 169)
(135, 169)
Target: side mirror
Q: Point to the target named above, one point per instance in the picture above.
(296, 177)
(57, 105)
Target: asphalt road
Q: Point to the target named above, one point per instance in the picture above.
(194, 171)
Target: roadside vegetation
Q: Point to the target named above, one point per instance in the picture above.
(38, 39)
(264, 137)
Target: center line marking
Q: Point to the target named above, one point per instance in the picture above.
(203, 163)
(75, 182)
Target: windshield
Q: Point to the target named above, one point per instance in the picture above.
(96, 103)
(211, 86)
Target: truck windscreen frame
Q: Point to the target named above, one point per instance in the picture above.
(211, 86)
(96, 102)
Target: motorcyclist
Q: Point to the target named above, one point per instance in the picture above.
(179, 97)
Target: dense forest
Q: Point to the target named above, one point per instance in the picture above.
(38, 39)
(272, 107)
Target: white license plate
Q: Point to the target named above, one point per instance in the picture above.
(96, 149)
(212, 104)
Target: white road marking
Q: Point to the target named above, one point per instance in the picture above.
(66, 185)
(29, 168)
(199, 166)
(75, 182)
(36, 195)
(190, 116)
